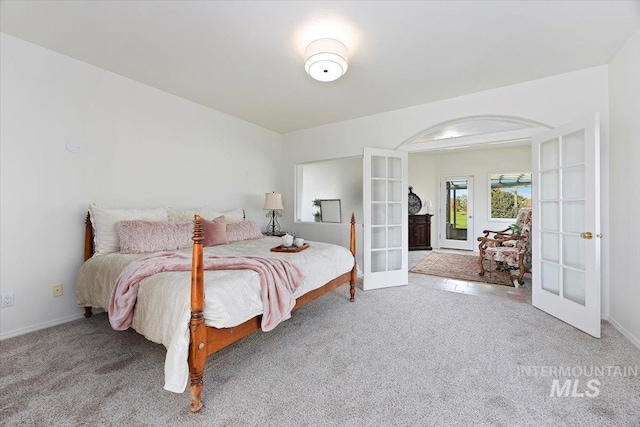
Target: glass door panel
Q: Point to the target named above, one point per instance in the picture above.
(395, 259)
(395, 237)
(550, 216)
(573, 251)
(573, 182)
(573, 285)
(550, 274)
(378, 238)
(549, 185)
(549, 154)
(378, 190)
(573, 215)
(395, 168)
(378, 167)
(550, 247)
(378, 213)
(395, 191)
(456, 216)
(395, 214)
(378, 261)
(573, 149)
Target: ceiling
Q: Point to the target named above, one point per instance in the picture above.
(245, 58)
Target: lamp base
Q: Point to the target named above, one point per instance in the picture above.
(274, 225)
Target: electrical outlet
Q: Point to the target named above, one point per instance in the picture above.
(7, 300)
(57, 290)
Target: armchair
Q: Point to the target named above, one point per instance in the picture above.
(502, 251)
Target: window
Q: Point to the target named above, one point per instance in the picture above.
(509, 192)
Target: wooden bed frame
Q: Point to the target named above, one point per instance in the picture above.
(206, 340)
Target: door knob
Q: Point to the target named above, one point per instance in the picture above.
(586, 235)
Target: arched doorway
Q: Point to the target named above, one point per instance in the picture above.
(473, 130)
(452, 190)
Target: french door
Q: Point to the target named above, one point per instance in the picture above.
(456, 213)
(566, 224)
(386, 213)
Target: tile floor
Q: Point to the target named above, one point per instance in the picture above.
(521, 294)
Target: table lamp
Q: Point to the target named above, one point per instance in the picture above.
(273, 204)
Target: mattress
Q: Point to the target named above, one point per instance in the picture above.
(163, 308)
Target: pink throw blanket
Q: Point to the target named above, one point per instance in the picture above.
(278, 280)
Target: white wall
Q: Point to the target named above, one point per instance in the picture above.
(624, 94)
(425, 170)
(141, 148)
(553, 101)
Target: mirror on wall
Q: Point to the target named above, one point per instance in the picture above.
(330, 210)
(329, 180)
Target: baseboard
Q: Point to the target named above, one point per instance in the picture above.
(42, 325)
(634, 340)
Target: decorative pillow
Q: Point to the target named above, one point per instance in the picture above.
(205, 212)
(103, 221)
(138, 237)
(246, 230)
(215, 232)
(234, 215)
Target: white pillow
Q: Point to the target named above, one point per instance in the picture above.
(234, 215)
(103, 221)
(205, 212)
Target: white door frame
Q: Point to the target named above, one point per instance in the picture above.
(443, 242)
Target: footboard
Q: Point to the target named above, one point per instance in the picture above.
(207, 340)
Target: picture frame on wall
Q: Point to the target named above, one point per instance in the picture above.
(330, 210)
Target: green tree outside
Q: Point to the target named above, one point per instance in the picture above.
(505, 204)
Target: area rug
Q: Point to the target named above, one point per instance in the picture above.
(457, 266)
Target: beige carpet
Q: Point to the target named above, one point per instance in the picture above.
(457, 266)
(402, 356)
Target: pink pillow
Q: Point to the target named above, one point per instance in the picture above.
(139, 236)
(215, 232)
(246, 230)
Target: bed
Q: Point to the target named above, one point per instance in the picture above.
(171, 308)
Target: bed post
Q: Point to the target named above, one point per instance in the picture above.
(352, 246)
(88, 238)
(88, 250)
(197, 330)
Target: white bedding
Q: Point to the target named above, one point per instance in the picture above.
(163, 309)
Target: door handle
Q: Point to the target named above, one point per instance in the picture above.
(586, 235)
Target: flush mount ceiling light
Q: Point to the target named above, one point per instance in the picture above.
(325, 59)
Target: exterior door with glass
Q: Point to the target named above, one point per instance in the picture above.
(386, 213)
(566, 224)
(456, 212)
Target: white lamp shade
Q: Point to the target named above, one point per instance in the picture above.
(429, 204)
(326, 59)
(273, 201)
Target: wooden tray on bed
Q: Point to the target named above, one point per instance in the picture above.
(289, 248)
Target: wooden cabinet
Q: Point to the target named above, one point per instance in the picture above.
(420, 232)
